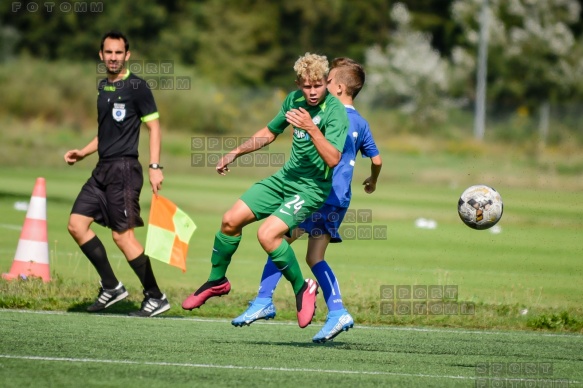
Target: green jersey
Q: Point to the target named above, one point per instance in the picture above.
(330, 116)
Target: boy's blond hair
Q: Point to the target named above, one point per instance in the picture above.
(311, 67)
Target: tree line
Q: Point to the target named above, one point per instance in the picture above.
(419, 54)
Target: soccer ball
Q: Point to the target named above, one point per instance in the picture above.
(480, 207)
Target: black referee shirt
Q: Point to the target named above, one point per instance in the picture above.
(122, 106)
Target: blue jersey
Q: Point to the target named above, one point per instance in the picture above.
(359, 138)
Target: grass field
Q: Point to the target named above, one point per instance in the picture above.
(525, 283)
(533, 263)
(72, 349)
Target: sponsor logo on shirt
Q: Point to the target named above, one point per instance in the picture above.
(301, 134)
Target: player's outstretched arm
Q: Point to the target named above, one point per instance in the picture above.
(259, 140)
(370, 183)
(74, 156)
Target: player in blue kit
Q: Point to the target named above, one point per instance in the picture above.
(345, 80)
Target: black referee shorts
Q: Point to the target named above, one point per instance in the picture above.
(112, 195)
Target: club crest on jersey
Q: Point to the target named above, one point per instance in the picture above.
(119, 111)
(316, 120)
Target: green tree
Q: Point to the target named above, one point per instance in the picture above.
(247, 42)
(534, 56)
(329, 27)
(238, 41)
(71, 30)
(409, 73)
(433, 17)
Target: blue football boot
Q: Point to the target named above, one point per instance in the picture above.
(260, 308)
(336, 322)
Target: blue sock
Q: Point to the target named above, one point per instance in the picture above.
(329, 284)
(269, 279)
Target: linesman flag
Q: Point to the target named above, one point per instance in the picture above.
(169, 231)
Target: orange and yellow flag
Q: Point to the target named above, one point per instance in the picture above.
(169, 231)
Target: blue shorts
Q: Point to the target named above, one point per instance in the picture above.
(325, 220)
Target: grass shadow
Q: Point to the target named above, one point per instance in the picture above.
(310, 344)
(121, 307)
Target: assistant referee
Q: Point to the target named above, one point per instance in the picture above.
(111, 195)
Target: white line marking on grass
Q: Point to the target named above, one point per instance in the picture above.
(259, 368)
(575, 336)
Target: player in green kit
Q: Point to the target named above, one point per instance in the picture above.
(285, 199)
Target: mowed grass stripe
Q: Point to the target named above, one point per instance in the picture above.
(532, 264)
(164, 346)
(255, 368)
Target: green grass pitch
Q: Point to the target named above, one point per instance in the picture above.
(526, 273)
(72, 349)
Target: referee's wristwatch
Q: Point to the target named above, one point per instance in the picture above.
(155, 166)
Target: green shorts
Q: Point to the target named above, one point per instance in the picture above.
(290, 200)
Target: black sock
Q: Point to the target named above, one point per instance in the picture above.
(143, 269)
(95, 252)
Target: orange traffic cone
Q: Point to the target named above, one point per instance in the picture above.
(32, 253)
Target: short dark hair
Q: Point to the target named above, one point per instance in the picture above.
(350, 73)
(115, 35)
